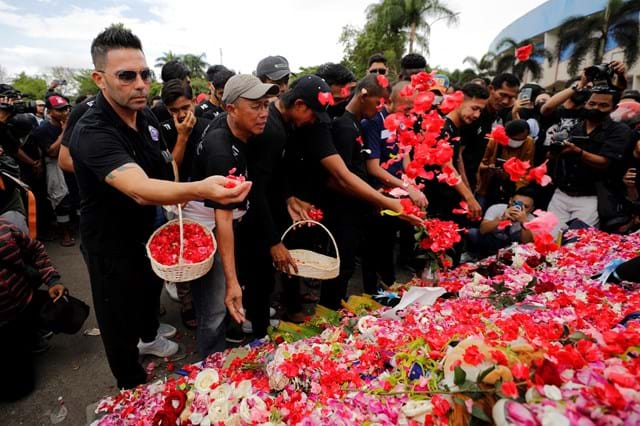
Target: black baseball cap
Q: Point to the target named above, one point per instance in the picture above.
(273, 67)
(308, 88)
(631, 94)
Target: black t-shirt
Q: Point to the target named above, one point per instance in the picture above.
(474, 139)
(609, 139)
(8, 142)
(268, 213)
(45, 135)
(171, 137)
(219, 153)
(208, 110)
(74, 116)
(112, 223)
(305, 149)
(161, 112)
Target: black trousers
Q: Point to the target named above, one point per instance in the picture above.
(126, 296)
(256, 274)
(19, 336)
(344, 224)
(379, 239)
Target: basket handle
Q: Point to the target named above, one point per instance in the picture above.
(181, 227)
(315, 223)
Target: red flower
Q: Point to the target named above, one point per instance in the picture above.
(423, 101)
(472, 355)
(233, 180)
(544, 243)
(392, 122)
(345, 91)
(539, 174)
(441, 406)
(547, 374)
(464, 208)
(325, 98)
(520, 371)
(499, 357)
(504, 224)
(524, 52)
(451, 102)
(509, 389)
(516, 169)
(499, 135)
(359, 140)
(382, 80)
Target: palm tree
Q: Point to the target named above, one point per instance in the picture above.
(590, 34)
(167, 57)
(196, 63)
(505, 60)
(411, 16)
(483, 67)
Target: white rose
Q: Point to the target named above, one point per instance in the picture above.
(221, 393)
(196, 418)
(552, 417)
(419, 409)
(552, 392)
(205, 379)
(367, 325)
(219, 411)
(242, 390)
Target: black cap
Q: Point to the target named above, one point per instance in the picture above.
(273, 67)
(631, 94)
(308, 88)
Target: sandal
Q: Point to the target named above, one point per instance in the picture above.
(189, 319)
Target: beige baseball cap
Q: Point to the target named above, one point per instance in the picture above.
(248, 87)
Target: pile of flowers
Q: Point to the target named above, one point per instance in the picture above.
(165, 245)
(518, 339)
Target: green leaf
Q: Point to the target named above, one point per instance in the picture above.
(459, 376)
(476, 411)
(578, 335)
(484, 374)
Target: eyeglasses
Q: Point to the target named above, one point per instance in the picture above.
(129, 76)
(381, 71)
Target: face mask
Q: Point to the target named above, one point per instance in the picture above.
(594, 114)
(515, 144)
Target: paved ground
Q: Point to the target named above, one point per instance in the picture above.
(75, 367)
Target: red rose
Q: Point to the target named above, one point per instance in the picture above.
(509, 389)
(472, 355)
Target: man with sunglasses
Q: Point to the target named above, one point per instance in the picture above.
(377, 64)
(123, 169)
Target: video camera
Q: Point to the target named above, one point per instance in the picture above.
(561, 137)
(600, 75)
(18, 106)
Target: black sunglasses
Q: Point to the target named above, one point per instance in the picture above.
(381, 71)
(128, 76)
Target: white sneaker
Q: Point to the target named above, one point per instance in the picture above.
(272, 312)
(165, 330)
(160, 347)
(172, 290)
(247, 327)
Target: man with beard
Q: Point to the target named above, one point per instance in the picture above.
(123, 169)
(595, 146)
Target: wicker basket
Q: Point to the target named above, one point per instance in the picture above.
(311, 264)
(181, 272)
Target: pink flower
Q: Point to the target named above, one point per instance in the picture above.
(544, 223)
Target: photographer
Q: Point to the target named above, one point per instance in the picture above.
(585, 159)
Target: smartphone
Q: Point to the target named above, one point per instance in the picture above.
(525, 94)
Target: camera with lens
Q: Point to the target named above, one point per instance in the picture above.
(18, 106)
(599, 75)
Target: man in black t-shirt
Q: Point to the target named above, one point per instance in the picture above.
(274, 70)
(502, 94)
(593, 155)
(170, 71)
(123, 170)
(183, 132)
(217, 75)
(341, 81)
(222, 151)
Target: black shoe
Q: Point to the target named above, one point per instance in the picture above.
(40, 345)
(235, 335)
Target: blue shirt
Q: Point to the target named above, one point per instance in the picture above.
(375, 137)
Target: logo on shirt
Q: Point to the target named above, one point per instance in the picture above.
(155, 135)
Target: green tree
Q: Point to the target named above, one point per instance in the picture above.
(31, 87)
(459, 78)
(590, 34)
(167, 57)
(304, 71)
(86, 85)
(482, 67)
(199, 85)
(505, 60)
(197, 64)
(412, 17)
(360, 44)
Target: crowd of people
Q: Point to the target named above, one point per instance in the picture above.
(316, 142)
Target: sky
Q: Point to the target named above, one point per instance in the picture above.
(36, 35)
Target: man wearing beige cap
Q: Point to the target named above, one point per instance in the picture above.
(222, 151)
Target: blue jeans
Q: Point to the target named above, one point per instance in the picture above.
(208, 302)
